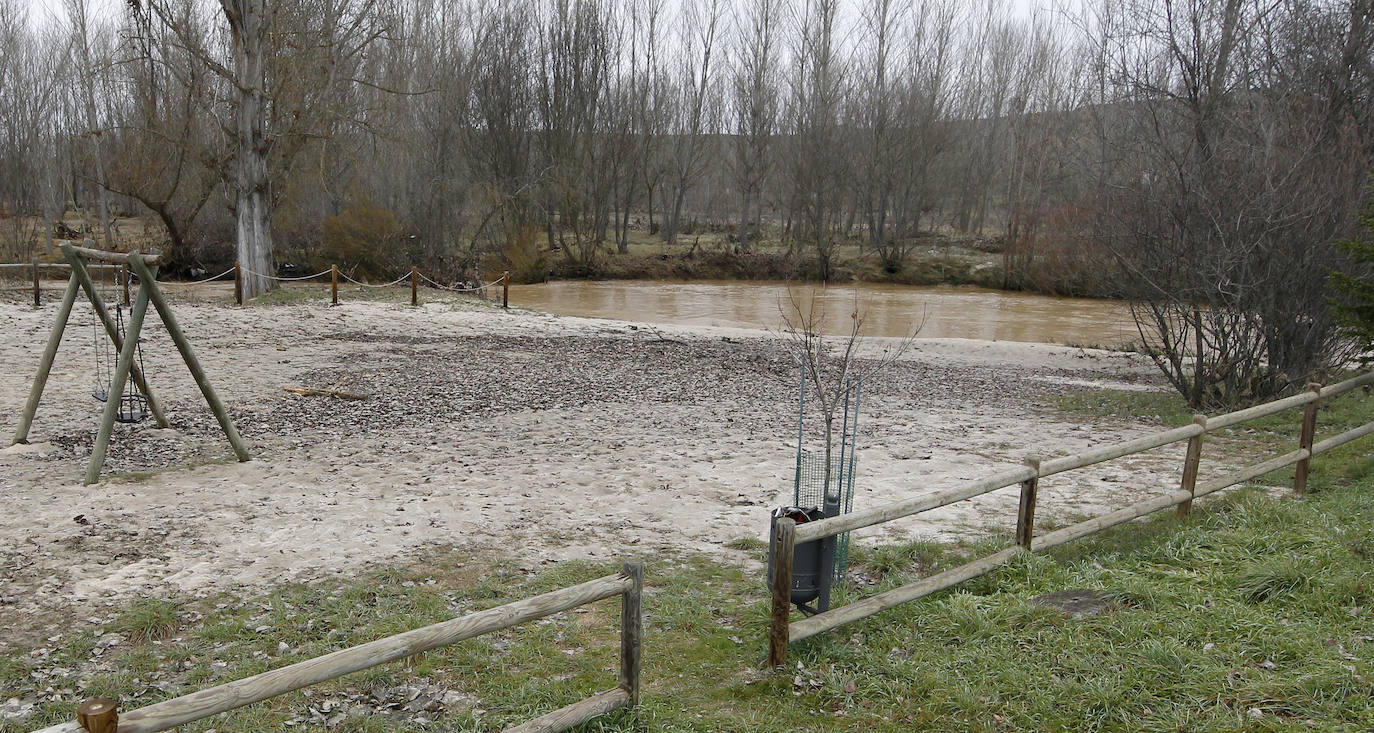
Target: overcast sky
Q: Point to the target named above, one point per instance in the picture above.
(39, 9)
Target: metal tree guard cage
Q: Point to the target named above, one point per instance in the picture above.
(809, 486)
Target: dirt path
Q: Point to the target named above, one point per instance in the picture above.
(511, 432)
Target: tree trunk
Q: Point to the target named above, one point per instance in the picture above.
(254, 201)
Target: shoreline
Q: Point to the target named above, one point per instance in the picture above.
(568, 437)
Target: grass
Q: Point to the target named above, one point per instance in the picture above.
(1254, 613)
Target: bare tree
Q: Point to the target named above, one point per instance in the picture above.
(754, 104)
(1227, 196)
(696, 84)
(819, 169)
(875, 117)
(831, 360)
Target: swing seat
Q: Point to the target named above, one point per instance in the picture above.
(129, 418)
(101, 395)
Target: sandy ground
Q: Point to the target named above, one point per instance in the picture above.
(505, 432)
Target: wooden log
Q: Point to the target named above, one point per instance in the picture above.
(98, 715)
(505, 289)
(1097, 524)
(212, 701)
(898, 509)
(80, 271)
(576, 714)
(784, 546)
(238, 283)
(1025, 513)
(1108, 452)
(1306, 434)
(334, 284)
(1191, 460)
(40, 380)
(822, 622)
(1258, 411)
(414, 286)
(632, 630)
(118, 382)
(1339, 440)
(169, 321)
(1252, 472)
(115, 258)
(1340, 388)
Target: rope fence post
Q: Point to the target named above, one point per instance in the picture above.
(414, 286)
(37, 289)
(334, 284)
(238, 282)
(632, 630)
(126, 285)
(1025, 512)
(505, 289)
(784, 544)
(1305, 437)
(98, 715)
(1190, 466)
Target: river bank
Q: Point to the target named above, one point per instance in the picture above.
(565, 437)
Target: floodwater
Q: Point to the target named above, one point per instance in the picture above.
(886, 310)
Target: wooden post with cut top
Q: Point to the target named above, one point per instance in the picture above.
(632, 630)
(1190, 465)
(784, 545)
(37, 289)
(127, 302)
(1305, 438)
(414, 286)
(238, 282)
(334, 284)
(505, 289)
(98, 715)
(1025, 513)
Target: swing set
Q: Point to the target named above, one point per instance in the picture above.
(122, 353)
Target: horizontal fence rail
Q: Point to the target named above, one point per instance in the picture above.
(202, 704)
(786, 532)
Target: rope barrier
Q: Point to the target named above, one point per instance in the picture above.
(344, 275)
(397, 281)
(187, 282)
(484, 286)
(287, 279)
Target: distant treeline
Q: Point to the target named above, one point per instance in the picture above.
(1198, 151)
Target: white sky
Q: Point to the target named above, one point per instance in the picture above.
(39, 9)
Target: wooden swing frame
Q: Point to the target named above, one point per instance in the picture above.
(145, 267)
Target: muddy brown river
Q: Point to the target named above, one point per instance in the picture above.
(888, 310)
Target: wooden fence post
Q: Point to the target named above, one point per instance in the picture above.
(238, 282)
(334, 284)
(632, 630)
(784, 531)
(1025, 513)
(414, 286)
(1305, 437)
(98, 715)
(505, 289)
(1190, 465)
(37, 289)
(127, 302)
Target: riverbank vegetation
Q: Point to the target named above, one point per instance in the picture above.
(1254, 612)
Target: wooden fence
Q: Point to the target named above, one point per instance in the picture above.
(31, 271)
(101, 715)
(787, 533)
